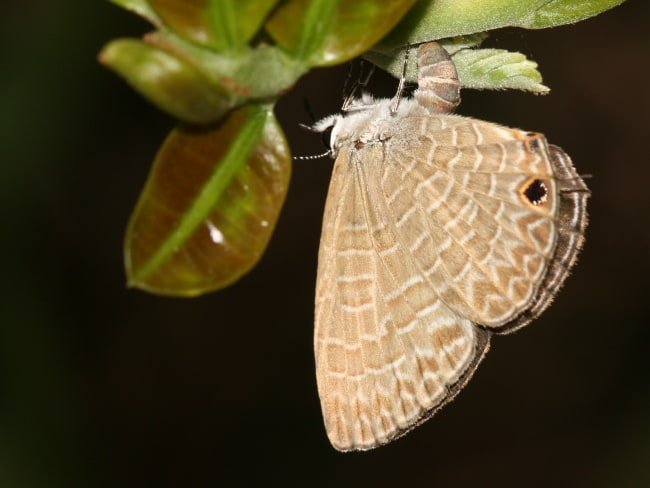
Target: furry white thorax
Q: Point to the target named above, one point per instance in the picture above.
(363, 120)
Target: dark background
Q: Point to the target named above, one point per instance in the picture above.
(104, 386)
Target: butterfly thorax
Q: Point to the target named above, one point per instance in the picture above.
(369, 122)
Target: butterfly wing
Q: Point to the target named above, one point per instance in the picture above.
(489, 205)
(463, 223)
(389, 351)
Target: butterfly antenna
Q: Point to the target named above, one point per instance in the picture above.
(313, 156)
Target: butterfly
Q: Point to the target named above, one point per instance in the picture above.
(438, 232)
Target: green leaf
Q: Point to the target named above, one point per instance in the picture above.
(188, 18)
(210, 204)
(560, 12)
(430, 20)
(168, 81)
(239, 72)
(224, 25)
(140, 7)
(329, 32)
(240, 19)
(454, 44)
(497, 69)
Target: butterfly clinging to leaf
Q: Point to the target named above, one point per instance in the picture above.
(439, 231)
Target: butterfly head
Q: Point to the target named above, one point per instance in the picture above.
(359, 124)
(329, 128)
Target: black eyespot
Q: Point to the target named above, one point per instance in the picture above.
(536, 192)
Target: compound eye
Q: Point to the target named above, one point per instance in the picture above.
(326, 137)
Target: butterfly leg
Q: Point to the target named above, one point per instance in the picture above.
(402, 82)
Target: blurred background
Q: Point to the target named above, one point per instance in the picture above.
(104, 386)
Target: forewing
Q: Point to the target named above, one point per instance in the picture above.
(389, 350)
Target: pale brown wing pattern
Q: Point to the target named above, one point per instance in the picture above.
(571, 221)
(388, 349)
(482, 246)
